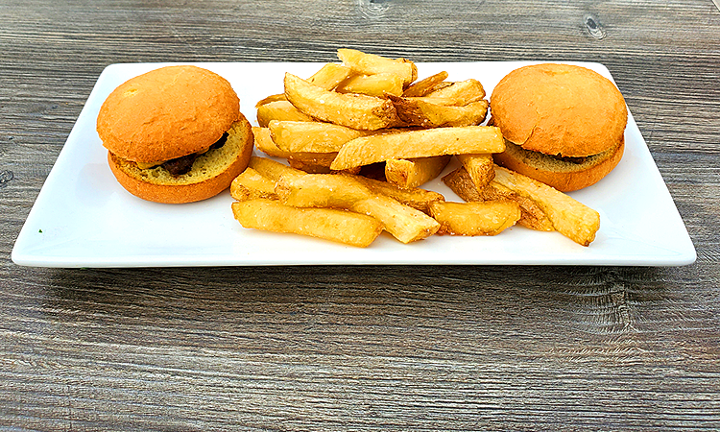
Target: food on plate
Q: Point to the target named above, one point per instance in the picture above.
(418, 143)
(405, 223)
(361, 137)
(370, 64)
(355, 111)
(426, 85)
(175, 134)
(409, 173)
(279, 110)
(372, 85)
(480, 168)
(475, 218)
(570, 218)
(564, 124)
(311, 137)
(429, 112)
(531, 215)
(331, 224)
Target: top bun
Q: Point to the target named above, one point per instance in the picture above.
(559, 110)
(167, 113)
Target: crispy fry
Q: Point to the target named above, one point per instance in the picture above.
(414, 197)
(372, 85)
(250, 184)
(466, 92)
(369, 64)
(265, 143)
(330, 75)
(419, 143)
(480, 167)
(425, 86)
(569, 217)
(531, 216)
(312, 163)
(270, 99)
(272, 169)
(352, 110)
(311, 137)
(432, 113)
(408, 173)
(475, 218)
(403, 222)
(280, 110)
(330, 224)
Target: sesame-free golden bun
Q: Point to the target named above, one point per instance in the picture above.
(170, 113)
(566, 122)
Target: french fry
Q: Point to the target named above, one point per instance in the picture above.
(280, 110)
(466, 92)
(403, 222)
(480, 167)
(569, 217)
(272, 169)
(419, 143)
(434, 112)
(311, 137)
(425, 86)
(369, 64)
(531, 216)
(265, 143)
(250, 184)
(270, 99)
(352, 110)
(372, 85)
(475, 218)
(330, 224)
(414, 197)
(408, 173)
(330, 75)
(312, 163)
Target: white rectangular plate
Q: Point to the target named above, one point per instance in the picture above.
(84, 218)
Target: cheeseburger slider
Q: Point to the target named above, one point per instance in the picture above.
(175, 134)
(563, 125)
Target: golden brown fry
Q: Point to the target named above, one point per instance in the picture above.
(330, 75)
(330, 224)
(425, 86)
(355, 111)
(419, 143)
(372, 85)
(475, 218)
(466, 92)
(531, 216)
(311, 137)
(265, 143)
(270, 99)
(250, 184)
(272, 169)
(414, 197)
(280, 110)
(403, 222)
(438, 112)
(369, 64)
(312, 163)
(408, 173)
(569, 217)
(480, 167)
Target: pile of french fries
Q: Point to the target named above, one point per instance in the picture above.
(361, 136)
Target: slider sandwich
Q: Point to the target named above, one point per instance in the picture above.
(175, 134)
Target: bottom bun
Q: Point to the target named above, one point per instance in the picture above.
(211, 173)
(563, 175)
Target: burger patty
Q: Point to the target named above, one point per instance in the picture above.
(183, 165)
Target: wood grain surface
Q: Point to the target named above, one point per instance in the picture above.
(354, 347)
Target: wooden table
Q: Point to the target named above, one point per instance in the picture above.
(360, 348)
